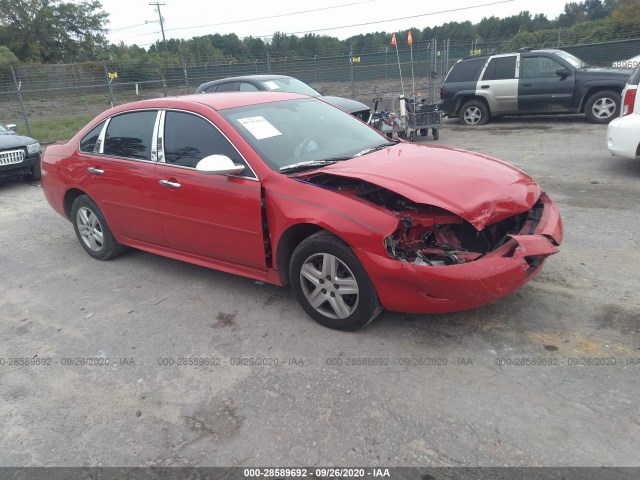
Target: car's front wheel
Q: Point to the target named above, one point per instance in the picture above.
(474, 112)
(602, 107)
(331, 284)
(92, 230)
(34, 175)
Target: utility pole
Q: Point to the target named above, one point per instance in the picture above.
(164, 40)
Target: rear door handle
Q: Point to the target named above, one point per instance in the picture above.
(167, 183)
(526, 84)
(97, 171)
(484, 86)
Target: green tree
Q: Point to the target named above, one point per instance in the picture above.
(627, 14)
(53, 30)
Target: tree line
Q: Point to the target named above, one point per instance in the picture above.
(55, 31)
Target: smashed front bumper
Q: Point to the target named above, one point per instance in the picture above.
(414, 288)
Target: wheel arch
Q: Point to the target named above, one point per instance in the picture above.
(591, 90)
(470, 97)
(70, 197)
(290, 239)
(464, 96)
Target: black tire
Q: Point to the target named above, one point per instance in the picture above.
(35, 174)
(436, 134)
(96, 237)
(603, 106)
(424, 132)
(318, 254)
(412, 135)
(473, 113)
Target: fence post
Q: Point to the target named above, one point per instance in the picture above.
(351, 79)
(256, 66)
(19, 92)
(268, 63)
(315, 67)
(184, 69)
(386, 63)
(109, 80)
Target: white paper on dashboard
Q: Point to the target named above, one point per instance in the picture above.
(259, 127)
(271, 85)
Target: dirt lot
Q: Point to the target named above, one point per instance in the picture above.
(143, 312)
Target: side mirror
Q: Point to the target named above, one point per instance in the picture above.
(562, 72)
(12, 127)
(218, 165)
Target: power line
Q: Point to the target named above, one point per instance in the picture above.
(394, 19)
(273, 16)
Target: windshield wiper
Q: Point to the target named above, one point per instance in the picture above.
(312, 164)
(375, 149)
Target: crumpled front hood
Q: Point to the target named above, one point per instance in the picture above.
(14, 141)
(480, 189)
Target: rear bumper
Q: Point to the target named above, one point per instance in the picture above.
(411, 288)
(450, 106)
(623, 136)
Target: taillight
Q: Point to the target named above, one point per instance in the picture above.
(629, 100)
(443, 92)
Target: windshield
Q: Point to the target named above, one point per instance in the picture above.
(573, 60)
(4, 129)
(292, 85)
(304, 131)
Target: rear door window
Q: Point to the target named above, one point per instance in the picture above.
(130, 135)
(227, 87)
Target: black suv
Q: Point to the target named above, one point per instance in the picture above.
(19, 155)
(527, 82)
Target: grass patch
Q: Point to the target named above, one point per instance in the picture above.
(48, 130)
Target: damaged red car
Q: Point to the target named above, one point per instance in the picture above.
(287, 189)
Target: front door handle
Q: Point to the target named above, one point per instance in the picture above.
(526, 84)
(97, 171)
(167, 183)
(484, 86)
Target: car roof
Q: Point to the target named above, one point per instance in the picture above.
(522, 50)
(246, 78)
(219, 101)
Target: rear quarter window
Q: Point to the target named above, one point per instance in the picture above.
(466, 70)
(88, 142)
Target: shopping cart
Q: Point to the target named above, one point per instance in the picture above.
(421, 117)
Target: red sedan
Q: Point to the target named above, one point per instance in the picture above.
(290, 190)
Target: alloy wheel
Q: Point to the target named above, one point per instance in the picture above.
(90, 229)
(329, 286)
(604, 108)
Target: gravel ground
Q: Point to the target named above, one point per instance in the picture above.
(139, 311)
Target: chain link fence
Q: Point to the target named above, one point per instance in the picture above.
(51, 102)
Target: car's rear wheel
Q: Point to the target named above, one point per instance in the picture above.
(474, 112)
(331, 284)
(92, 230)
(602, 107)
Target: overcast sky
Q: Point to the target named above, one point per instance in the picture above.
(190, 18)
